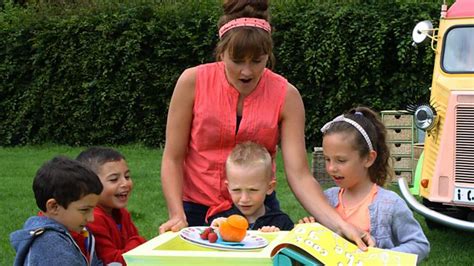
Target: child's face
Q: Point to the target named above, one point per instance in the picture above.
(248, 188)
(77, 214)
(343, 162)
(118, 185)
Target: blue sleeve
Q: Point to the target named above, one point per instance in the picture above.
(407, 233)
(332, 195)
(53, 248)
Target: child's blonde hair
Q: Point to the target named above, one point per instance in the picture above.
(250, 154)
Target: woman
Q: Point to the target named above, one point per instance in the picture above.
(215, 106)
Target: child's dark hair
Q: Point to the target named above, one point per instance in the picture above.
(380, 171)
(65, 180)
(95, 157)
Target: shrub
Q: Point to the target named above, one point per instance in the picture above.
(104, 73)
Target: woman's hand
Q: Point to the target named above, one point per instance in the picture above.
(360, 237)
(173, 224)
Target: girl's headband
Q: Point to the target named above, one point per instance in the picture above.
(245, 22)
(341, 118)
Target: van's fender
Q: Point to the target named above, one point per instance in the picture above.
(430, 214)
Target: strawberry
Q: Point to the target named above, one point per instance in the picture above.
(212, 237)
(204, 235)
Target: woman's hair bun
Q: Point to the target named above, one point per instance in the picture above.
(246, 8)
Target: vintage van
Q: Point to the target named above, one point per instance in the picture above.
(444, 176)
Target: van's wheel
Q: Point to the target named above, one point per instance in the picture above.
(452, 211)
(470, 216)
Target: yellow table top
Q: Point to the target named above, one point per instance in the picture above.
(316, 240)
(170, 249)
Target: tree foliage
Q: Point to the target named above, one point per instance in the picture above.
(105, 74)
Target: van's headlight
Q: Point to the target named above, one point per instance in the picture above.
(425, 117)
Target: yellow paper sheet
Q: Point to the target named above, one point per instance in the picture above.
(332, 249)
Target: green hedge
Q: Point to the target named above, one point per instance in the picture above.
(340, 56)
(104, 75)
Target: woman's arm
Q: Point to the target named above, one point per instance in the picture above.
(178, 128)
(305, 187)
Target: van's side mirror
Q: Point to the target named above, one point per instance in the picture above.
(422, 30)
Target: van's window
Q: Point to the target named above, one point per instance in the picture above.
(458, 53)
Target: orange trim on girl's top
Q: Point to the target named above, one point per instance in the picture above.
(359, 214)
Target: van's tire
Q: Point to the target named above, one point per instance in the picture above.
(432, 225)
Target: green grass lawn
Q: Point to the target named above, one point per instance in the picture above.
(18, 166)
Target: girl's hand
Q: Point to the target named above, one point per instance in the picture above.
(307, 220)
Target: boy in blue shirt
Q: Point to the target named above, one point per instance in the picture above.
(66, 192)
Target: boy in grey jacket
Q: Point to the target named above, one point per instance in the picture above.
(66, 192)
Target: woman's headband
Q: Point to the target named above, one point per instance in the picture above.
(341, 118)
(245, 22)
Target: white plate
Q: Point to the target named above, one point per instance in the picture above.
(251, 240)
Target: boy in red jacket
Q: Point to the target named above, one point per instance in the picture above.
(113, 228)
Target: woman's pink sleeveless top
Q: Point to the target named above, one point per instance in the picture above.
(213, 131)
